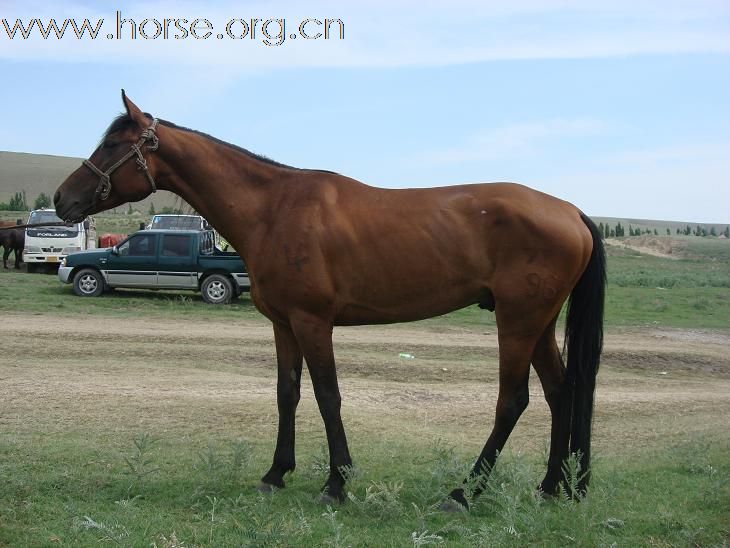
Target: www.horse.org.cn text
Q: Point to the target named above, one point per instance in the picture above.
(270, 32)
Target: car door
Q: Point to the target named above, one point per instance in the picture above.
(134, 263)
(176, 265)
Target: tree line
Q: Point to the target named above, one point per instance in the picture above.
(19, 202)
(619, 231)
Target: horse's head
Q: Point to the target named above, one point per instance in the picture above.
(120, 170)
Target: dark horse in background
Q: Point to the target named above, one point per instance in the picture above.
(324, 250)
(12, 239)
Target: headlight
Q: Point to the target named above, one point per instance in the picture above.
(63, 261)
(32, 249)
(69, 250)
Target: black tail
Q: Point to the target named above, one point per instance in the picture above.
(584, 342)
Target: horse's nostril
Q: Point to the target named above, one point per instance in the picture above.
(57, 197)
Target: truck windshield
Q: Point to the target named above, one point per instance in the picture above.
(49, 216)
(43, 217)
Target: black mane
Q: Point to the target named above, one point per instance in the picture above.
(123, 121)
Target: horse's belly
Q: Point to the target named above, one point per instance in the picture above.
(395, 309)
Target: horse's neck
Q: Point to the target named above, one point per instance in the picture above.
(230, 188)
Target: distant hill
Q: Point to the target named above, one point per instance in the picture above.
(36, 173)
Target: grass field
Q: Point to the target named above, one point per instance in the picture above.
(146, 419)
(691, 291)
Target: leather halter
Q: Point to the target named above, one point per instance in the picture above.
(104, 187)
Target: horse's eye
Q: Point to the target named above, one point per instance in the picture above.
(109, 144)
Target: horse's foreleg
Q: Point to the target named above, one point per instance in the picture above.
(289, 364)
(315, 339)
(548, 363)
(6, 254)
(514, 370)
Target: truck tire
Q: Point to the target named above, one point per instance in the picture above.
(217, 289)
(88, 282)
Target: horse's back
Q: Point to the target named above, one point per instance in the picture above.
(11, 237)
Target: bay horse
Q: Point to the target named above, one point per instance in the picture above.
(12, 239)
(324, 250)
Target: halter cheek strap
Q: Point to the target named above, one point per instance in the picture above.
(104, 187)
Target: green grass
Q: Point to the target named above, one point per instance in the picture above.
(642, 290)
(708, 266)
(78, 490)
(44, 293)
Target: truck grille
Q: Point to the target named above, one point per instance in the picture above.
(52, 249)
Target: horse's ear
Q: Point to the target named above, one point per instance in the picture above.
(134, 112)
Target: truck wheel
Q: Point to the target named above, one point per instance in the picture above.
(217, 289)
(88, 283)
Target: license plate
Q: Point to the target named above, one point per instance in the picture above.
(52, 259)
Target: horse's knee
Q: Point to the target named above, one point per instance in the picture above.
(510, 408)
(521, 400)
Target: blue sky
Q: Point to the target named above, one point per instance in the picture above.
(621, 107)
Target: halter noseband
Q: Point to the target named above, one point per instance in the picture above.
(105, 184)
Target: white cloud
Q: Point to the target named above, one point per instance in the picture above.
(512, 141)
(392, 33)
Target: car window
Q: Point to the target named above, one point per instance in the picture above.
(176, 245)
(207, 243)
(177, 222)
(139, 245)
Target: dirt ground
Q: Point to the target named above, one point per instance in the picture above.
(665, 247)
(656, 386)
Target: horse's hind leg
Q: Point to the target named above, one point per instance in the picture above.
(548, 363)
(515, 351)
(18, 255)
(6, 254)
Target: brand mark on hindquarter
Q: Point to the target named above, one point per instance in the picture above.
(541, 286)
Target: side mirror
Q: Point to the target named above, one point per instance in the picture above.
(115, 250)
(86, 224)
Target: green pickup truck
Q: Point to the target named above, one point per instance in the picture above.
(159, 259)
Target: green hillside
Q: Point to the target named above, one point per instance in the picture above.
(36, 173)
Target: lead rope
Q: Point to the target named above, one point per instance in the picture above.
(104, 187)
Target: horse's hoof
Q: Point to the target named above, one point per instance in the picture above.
(548, 494)
(450, 506)
(328, 500)
(266, 488)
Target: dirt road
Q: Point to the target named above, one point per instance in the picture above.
(176, 375)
